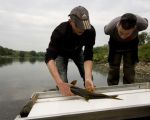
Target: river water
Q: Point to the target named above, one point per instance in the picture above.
(19, 79)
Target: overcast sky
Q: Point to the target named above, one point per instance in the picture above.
(27, 24)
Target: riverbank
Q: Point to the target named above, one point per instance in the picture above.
(141, 67)
(142, 70)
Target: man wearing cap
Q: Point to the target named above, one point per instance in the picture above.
(67, 41)
(123, 43)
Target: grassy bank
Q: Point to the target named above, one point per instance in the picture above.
(142, 68)
(101, 54)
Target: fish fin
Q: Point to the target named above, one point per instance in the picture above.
(87, 99)
(74, 82)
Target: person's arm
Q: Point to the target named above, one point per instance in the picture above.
(64, 88)
(51, 55)
(88, 75)
(108, 29)
(142, 23)
(88, 57)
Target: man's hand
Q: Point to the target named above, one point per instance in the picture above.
(89, 85)
(64, 89)
(88, 76)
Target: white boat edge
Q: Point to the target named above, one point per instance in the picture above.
(119, 113)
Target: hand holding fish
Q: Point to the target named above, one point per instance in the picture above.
(89, 85)
(64, 88)
(88, 94)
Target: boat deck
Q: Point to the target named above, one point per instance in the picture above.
(134, 103)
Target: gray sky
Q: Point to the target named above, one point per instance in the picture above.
(28, 24)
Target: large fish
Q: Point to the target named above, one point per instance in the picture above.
(89, 95)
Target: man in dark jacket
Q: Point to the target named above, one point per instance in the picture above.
(67, 41)
(123, 42)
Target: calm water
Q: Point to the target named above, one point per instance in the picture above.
(19, 79)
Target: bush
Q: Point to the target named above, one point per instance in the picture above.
(101, 53)
(144, 53)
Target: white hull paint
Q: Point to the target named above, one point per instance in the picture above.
(135, 103)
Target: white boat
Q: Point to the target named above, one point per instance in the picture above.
(134, 103)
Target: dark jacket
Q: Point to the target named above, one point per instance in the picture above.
(68, 44)
(120, 46)
(116, 44)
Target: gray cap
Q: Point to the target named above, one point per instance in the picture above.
(80, 16)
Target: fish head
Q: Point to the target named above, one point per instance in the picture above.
(74, 82)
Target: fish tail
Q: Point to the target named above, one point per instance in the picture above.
(115, 97)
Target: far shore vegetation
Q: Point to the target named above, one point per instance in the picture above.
(100, 53)
(15, 54)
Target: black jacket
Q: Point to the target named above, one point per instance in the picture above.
(68, 44)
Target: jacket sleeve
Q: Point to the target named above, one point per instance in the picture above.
(52, 50)
(88, 50)
(108, 29)
(142, 23)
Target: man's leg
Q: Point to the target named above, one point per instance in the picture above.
(128, 68)
(79, 61)
(114, 69)
(62, 66)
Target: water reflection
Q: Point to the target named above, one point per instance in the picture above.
(22, 60)
(5, 61)
(32, 60)
(9, 61)
(100, 68)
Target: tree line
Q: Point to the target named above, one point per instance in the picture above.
(6, 52)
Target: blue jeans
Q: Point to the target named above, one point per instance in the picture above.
(128, 68)
(62, 65)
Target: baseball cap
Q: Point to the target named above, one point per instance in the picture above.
(80, 16)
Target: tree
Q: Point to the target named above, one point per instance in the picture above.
(148, 39)
(22, 54)
(5, 51)
(32, 53)
(142, 38)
